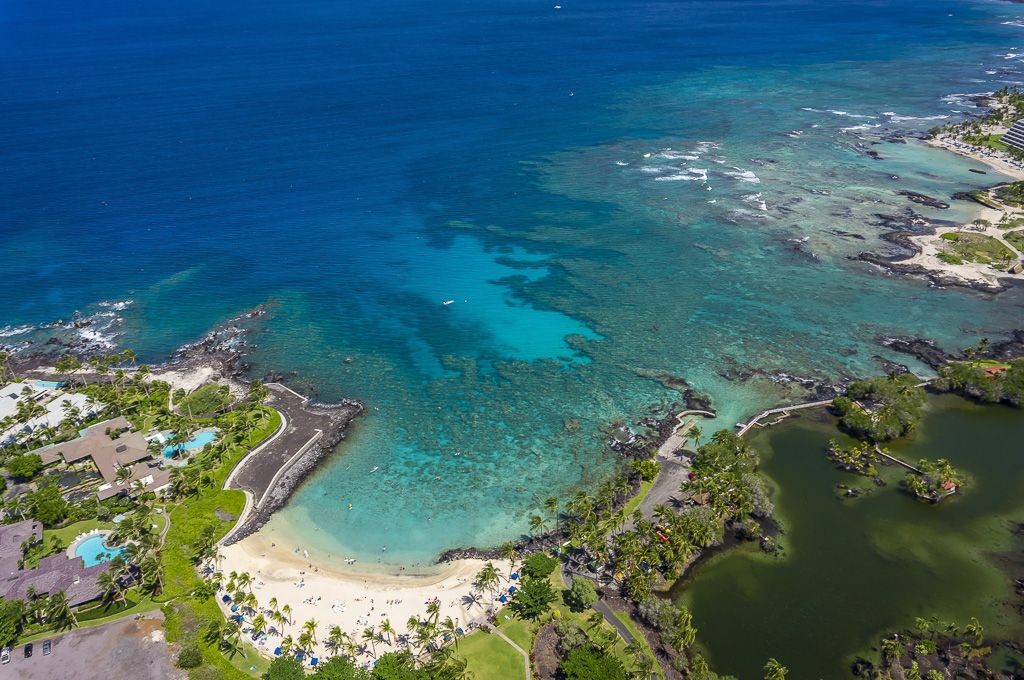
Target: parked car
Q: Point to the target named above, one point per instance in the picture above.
(28, 650)
(5, 655)
(47, 645)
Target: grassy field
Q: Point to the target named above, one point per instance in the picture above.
(1016, 239)
(67, 534)
(206, 401)
(977, 248)
(488, 657)
(636, 500)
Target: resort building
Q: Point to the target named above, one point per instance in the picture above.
(54, 407)
(55, 573)
(1014, 137)
(111, 445)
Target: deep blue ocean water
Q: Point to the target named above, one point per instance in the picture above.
(607, 192)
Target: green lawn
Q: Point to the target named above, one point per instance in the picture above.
(1016, 239)
(637, 635)
(488, 657)
(68, 533)
(206, 400)
(636, 500)
(977, 248)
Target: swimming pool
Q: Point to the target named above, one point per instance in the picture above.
(47, 384)
(198, 441)
(94, 551)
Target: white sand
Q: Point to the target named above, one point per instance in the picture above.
(351, 599)
(994, 159)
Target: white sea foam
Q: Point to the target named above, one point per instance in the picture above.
(758, 200)
(964, 98)
(897, 118)
(621, 163)
(117, 305)
(836, 112)
(11, 331)
(743, 175)
(864, 127)
(670, 155)
(1016, 22)
(688, 175)
(794, 133)
(654, 170)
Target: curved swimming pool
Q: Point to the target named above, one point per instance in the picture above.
(94, 550)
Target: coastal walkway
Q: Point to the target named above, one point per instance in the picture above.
(783, 410)
(270, 472)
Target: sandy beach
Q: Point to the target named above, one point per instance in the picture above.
(993, 159)
(351, 599)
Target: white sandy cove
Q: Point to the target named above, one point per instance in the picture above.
(352, 600)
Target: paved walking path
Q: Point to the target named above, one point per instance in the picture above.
(609, 616)
(526, 657)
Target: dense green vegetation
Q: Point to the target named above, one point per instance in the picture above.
(986, 381)
(980, 248)
(937, 480)
(206, 401)
(880, 409)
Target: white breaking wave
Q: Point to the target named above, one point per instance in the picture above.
(117, 305)
(836, 112)
(758, 200)
(1016, 22)
(964, 98)
(669, 154)
(688, 175)
(11, 331)
(894, 117)
(743, 175)
(621, 163)
(860, 128)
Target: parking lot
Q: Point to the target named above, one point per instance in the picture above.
(132, 648)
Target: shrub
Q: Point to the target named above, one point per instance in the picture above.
(285, 668)
(25, 467)
(190, 656)
(590, 663)
(647, 469)
(582, 594)
(539, 565)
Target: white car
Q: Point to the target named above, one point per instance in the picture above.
(5, 655)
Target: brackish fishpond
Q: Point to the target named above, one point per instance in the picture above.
(853, 569)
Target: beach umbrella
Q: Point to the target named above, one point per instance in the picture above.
(234, 607)
(511, 589)
(503, 599)
(460, 631)
(515, 575)
(226, 598)
(277, 651)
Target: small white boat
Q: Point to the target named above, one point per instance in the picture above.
(448, 302)
(375, 468)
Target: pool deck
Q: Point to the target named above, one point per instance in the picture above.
(272, 471)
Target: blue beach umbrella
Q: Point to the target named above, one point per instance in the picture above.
(277, 651)
(314, 661)
(503, 599)
(226, 598)
(515, 576)
(511, 589)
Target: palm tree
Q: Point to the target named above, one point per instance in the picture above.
(259, 623)
(111, 586)
(511, 553)
(537, 522)
(450, 628)
(892, 649)
(286, 644)
(975, 630)
(286, 610)
(58, 610)
(696, 433)
(336, 638)
(232, 642)
(368, 635)
(773, 670)
(306, 642)
(386, 629)
(123, 475)
(551, 504)
(310, 628)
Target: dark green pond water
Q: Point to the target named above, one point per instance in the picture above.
(856, 568)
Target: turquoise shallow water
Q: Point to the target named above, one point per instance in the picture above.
(606, 193)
